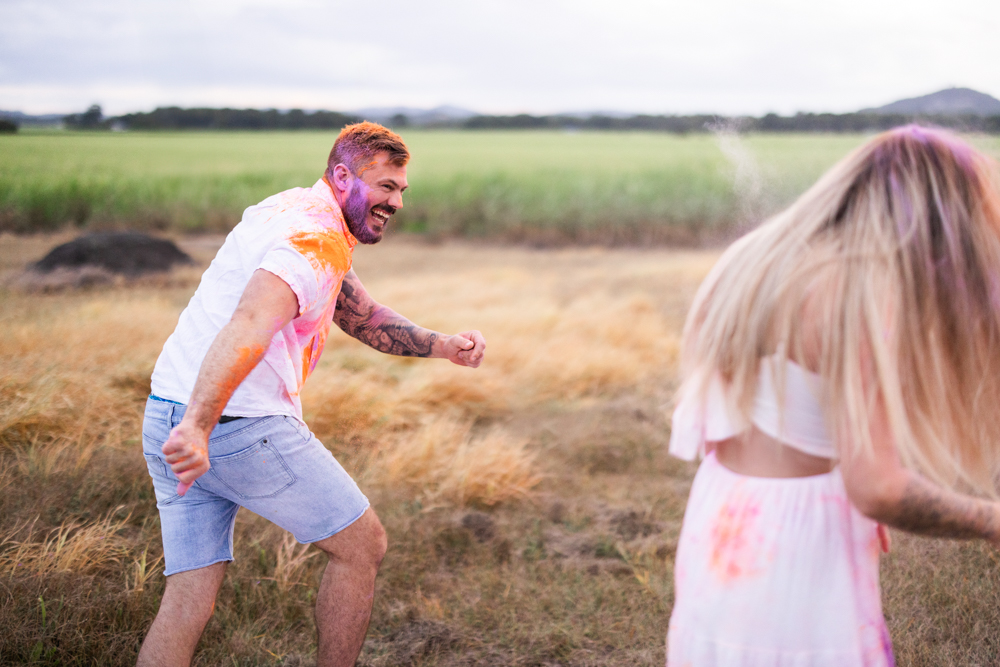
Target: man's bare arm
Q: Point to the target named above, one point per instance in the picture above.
(377, 326)
(385, 330)
(266, 306)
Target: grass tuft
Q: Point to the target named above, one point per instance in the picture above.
(72, 547)
(450, 464)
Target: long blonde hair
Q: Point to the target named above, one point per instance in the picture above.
(884, 277)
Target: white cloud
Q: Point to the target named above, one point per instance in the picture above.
(726, 56)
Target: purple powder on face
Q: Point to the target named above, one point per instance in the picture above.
(356, 214)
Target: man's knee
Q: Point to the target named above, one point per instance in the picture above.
(380, 542)
(364, 542)
(193, 592)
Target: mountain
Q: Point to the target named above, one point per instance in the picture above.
(27, 119)
(948, 102)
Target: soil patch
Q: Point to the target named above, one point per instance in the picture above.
(128, 254)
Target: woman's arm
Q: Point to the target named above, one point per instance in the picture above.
(883, 490)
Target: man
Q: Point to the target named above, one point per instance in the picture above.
(223, 427)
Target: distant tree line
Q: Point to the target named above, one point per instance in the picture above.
(677, 124)
(176, 118)
(802, 122)
(867, 121)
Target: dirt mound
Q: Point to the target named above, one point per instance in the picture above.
(124, 253)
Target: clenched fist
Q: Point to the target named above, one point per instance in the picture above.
(465, 349)
(186, 450)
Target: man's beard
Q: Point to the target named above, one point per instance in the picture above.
(356, 216)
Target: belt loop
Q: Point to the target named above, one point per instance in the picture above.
(170, 416)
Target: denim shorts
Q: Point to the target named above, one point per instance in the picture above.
(274, 466)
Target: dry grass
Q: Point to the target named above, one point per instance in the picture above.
(444, 462)
(72, 547)
(531, 509)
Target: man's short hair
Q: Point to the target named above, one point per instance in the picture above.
(357, 145)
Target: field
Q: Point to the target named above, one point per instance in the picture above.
(542, 188)
(531, 508)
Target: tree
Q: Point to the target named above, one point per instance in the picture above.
(88, 120)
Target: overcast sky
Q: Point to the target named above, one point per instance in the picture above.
(536, 56)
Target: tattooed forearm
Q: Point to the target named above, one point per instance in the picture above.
(379, 327)
(930, 510)
(395, 335)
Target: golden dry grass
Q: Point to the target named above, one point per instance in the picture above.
(72, 547)
(444, 462)
(532, 512)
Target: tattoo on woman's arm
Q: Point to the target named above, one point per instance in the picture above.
(929, 510)
(380, 327)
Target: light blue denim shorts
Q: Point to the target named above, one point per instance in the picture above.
(273, 466)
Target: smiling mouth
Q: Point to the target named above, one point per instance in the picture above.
(381, 215)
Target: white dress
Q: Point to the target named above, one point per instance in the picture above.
(772, 571)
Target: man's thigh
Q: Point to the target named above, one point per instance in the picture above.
(273, 466)
(290, 478)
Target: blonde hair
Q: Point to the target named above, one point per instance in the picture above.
(884, 277)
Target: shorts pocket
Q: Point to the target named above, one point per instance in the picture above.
(255, 472)
(155, 465)
(300, 429)
(164, 486)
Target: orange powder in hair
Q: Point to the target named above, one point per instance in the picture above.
(368, 166)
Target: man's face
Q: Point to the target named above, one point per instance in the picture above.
(376, 193)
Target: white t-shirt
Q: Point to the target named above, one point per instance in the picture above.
(298, 235)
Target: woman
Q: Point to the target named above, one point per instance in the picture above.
(842, 370)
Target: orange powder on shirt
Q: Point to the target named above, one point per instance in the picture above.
(310, 355)
(326, 252)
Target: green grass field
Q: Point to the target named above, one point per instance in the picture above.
(528, 186)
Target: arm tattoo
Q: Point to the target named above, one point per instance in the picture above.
(379, 327)
(929, 510)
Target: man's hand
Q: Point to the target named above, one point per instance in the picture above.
(186, 451)
(464, 349)
(380, 327)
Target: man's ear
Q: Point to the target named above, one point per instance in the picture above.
(342, 178)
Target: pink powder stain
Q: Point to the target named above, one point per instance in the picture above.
(312, 352)
(735, 539)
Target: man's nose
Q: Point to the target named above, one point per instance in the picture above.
(396, 200)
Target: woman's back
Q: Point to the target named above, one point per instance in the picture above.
(884, 281)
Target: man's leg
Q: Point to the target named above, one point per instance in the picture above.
(187, 604)
(344, 602)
